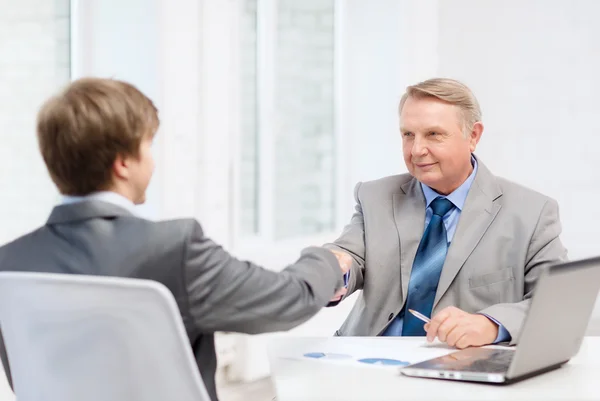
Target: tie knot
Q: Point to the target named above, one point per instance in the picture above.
(441, 206)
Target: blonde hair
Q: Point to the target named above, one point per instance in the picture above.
(82, 130)
(450, 91)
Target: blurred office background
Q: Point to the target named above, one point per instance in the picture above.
(273, 109)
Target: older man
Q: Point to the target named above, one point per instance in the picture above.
(449, 239)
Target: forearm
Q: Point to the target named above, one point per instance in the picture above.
(243, 297)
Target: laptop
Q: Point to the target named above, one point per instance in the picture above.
(552, 333)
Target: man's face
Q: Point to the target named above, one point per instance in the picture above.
(141, 169)
(435, 150)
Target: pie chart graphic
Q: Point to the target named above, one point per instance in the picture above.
(323, 355)
(383, 361)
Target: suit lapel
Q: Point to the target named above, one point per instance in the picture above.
(409, 215)
(478, 213)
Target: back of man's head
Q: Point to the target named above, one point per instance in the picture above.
(82, 130)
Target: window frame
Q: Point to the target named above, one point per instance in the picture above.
(252, 245)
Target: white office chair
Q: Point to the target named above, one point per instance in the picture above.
(87, 338)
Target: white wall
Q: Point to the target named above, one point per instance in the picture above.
(534, 67)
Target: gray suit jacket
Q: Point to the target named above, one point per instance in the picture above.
(214, 291)
(505, 234)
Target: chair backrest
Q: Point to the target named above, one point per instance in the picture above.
(88, 338)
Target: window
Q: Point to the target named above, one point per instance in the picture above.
(34, 63)
(287, 159)
(249, 120)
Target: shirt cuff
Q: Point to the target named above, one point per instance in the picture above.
(503, 334)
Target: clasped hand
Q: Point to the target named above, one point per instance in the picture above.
(345, 262)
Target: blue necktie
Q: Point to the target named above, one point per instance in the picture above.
(427, 268)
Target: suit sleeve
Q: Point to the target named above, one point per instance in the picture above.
(545, 248)
(227, 294)
(352, 241)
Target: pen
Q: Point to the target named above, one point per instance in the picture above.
(420, 316)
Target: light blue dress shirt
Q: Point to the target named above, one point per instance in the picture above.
(458, 198)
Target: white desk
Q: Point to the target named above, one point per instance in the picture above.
(304, 379)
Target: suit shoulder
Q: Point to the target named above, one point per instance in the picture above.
(23, 239)
(520, 193)
(184, 226)
(390, 184)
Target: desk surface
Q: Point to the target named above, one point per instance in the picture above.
(304, 379)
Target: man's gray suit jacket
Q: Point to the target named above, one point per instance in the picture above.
(506, 233)
(214, 291)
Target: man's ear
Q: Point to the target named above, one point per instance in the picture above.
(121, 167)
(475, 135)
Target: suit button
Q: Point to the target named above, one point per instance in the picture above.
(390, 317)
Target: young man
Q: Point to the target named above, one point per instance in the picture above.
(95, 138)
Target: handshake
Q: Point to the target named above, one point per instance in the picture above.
(345, 261)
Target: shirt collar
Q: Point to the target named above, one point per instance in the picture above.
(104, 196)
(458, 197)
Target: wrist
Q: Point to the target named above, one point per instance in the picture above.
(489, 329)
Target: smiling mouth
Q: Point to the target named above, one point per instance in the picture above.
(424, 165)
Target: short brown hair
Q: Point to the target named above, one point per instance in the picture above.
(450, 91)
(82, 130)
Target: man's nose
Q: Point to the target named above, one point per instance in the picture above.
(419, 147)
